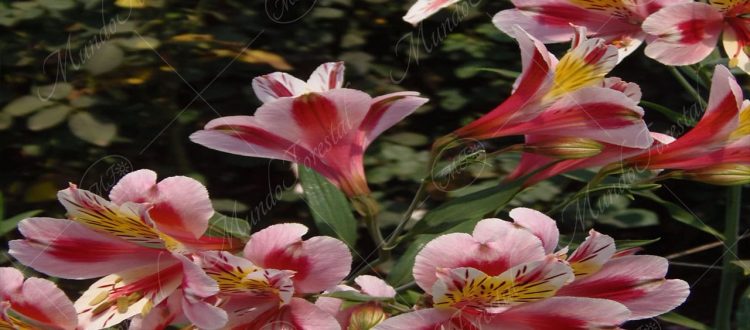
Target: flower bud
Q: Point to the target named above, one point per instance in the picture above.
(722, 175)
(566, 148)
(366, 316)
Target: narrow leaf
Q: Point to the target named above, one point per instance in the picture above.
(684, 321)
(330, 208)
(680, 214)
(8, 225)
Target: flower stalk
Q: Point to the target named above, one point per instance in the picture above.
(729, 271)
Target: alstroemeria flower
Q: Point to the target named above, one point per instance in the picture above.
(564, 99)
(141, 242)
(263, 288)
(617, 22)
(636, 281)
(317, 124)
(422, 9)
(35, 303)
(499, 277)
(687, 33)
(360, 316)
(716, 132)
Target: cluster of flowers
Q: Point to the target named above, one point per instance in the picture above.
(159, 263)
(678, 32)
(159, 266)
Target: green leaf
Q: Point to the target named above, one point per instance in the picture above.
(744, 264)
(56, 91)
(221, 225)
(106, 57)
(743, 311)
(401, 272)
(5, 120)
(87, 128)
(330, 208)
(48, 118)
(672, 115)
(354, 296)
(630, 218)
(680, 214)
(25, 105)
(629, 244)
(684, 321)
(8, 225)
(469, 207)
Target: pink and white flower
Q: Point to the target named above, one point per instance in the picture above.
(719, 132)
(687, 33)
(34, 303)
(636, 281)
(564, 99)
(316, 124)
(617, 22)
(141, 242)
(364, 315)
(501, 276)
(263, 288)
(422, 9)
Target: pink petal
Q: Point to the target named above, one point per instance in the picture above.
(592, 254)
(11, 282)
(42, 301)
(133, 187)
(161, 316)
(196, 283)
(305, 315)
(543, 227)
(234, 274)
(425, 8)
(561, 313)
(254, 314)
(153, 284)
(597, 113)
(473, 291)
(630, 89)
(427, 319)
(686, 33)
(67, 249)
(204, 315)
(637, 281)
(320, 262)
(733, 41)
(523, 103)
(374, 287)
(326, 77)
(278, 84)
(388, 110)
(181, 207)
(496, 246)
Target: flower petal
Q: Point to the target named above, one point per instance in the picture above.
(388, 110)
(11, 282)
(133, 187)
(181, 207)
(686, 33)
(278, 84)
(326, 77)
(597, 113)
(204, 315)
(427, 319)
(253, 314)
(496, 246)
(637, 281)
(592, 254)
(67, 249)
(319, 263)
(425, 8)
(542, 226)
(239, 276)
(561, 313)
(43, 302)
(374, 287)
(469, 289)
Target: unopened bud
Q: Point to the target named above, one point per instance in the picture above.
(366, 317)
(566, 148)
(721, 175)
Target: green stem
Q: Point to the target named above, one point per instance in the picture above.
(729, 272)
(421, 193)
(686, 84)
(603, 173)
